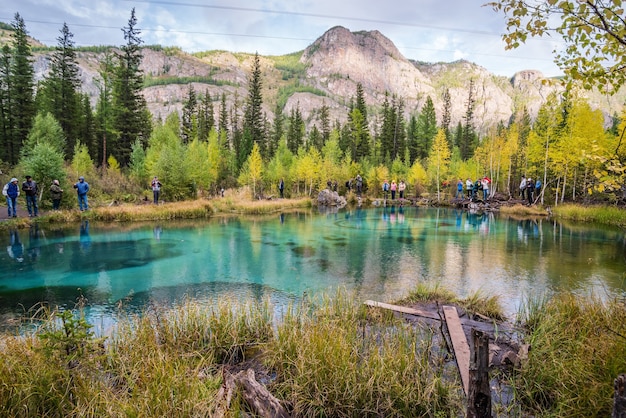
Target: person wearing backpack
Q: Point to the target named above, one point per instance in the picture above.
(385, 189)
(537, 188)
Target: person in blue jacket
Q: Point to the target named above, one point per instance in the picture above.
(11, 191)
(82, 187)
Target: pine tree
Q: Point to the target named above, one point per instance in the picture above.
(324, 119)
(131, 119)
(446, 116)
(426, 129)
(104, 110)
(277, 131)
(469, 139)
(6, 118)
(206, 119)
(253, 130)
(223, 117)
(60, 92)
(21, 91)
(189, 116)
(295, 132)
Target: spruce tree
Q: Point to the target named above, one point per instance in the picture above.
(277, 131)
(206, 119)
(253, 130)
(6, 118)
(60, 93)
(131, 119)
(426, 129)
(104, 118)
(189, 116)
(21, 91)
(469, 138)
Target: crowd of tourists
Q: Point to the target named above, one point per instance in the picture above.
(32, 194)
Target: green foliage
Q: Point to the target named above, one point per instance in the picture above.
(574, 339)
(66, 335)
(138, 169)
(82, 164)
(290, 65)
(45, 163)
(285, 92)
(47, 130)
(164, 81)
(593, 31)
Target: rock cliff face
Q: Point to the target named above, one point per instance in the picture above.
(334, 64)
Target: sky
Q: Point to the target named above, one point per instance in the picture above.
(423, 30)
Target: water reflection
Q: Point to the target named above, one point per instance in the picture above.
(379, 253)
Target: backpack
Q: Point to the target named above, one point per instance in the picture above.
(478, 185)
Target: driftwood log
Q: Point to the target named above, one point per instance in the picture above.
(479, 393)
(619, 400)
(258, 398)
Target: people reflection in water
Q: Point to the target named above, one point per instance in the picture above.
(157, 232)
(34, 249)
(85, 239)
(282, 218)
(15, 247)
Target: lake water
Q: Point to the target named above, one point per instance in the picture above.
(379, 253)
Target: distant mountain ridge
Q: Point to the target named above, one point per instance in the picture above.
(327, 72)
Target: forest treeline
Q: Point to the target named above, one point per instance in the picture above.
(50, 130)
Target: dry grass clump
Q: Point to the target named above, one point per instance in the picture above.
(578, 349)
(523, 210)
(327, 359)
(608, 215)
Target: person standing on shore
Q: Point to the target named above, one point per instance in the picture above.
(82, 187)
(56, 192)
(11, 192)
(156, 189)
(281, 188)
(29, 187)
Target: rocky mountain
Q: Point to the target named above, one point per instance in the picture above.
(327, 72)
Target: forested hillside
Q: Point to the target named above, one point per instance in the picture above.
(348, 104)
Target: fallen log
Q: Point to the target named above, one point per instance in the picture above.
(258, 398)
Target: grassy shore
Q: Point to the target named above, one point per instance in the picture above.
(326, 357)
(607, 215)
(192, 209)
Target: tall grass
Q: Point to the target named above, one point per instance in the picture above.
(578, 348)
(334, 363)
(608, 215)
(325, 359)
(474, 303)
(523, 210)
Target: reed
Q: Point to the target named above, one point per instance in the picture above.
(236, 204)
(195, 209)
(334, 362)
(578, 349)
(523, 210)
(323, 359)
(607, 215)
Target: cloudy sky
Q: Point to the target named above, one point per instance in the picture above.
(423, 30)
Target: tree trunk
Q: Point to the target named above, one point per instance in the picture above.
(619, 397)
(479, 393)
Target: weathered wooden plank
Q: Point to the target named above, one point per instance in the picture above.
(479, 394)
(403, 309)
(489, 327)
(459, 344)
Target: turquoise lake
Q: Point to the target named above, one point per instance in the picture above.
(379, 254)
